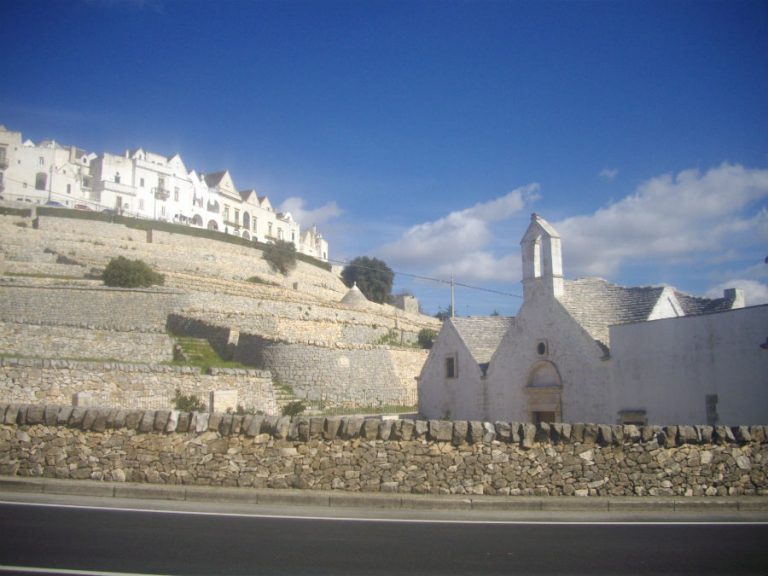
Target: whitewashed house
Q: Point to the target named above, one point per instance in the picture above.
(44, 172)
(143, 184)
(589, 351)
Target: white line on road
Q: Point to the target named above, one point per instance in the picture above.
(393, 520)
(64, 571)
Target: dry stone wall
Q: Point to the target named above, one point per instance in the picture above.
(406, 456)
(134, 386)
(68, 342)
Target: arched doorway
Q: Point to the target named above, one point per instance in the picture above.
(246, 235)
(544, 391)
(212, 225)
(197, 220)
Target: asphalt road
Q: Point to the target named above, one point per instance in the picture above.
(98, 540)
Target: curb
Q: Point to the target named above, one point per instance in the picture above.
(373, 500)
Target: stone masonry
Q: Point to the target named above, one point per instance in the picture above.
(356, 454)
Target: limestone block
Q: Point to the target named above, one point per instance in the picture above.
(687, 435)
(65, 413)
(405, 429)
(503, 431)
(183, 420)
(577, 432)
(173, 421)
(669, 436)
(214, 421)
(527, 435)
(351, 426)
(50, 417)
(420, 429)
(201, 422)
(316, 426)
(225, 426)
(332, 427)
(724, 435)
(705, 433)
(631, 433)
(82, 399)
(254, 427)
(133, 419)
(591, 433)
(76, 418)
(474, 432)
(100, 420)
(440, 430)
(370, 430)
(604, 434)
(35, 415)
(147, 423)
(515, 429)
(742, 434)
(3, 410)
(460, 434)
(161, 420)
(489, 432)
(543, 432)
(385, 429)
(758, 434)
(281, 427)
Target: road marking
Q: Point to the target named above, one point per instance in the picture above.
(65, 571)
(394, 520)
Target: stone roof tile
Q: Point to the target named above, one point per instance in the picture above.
(482, 335)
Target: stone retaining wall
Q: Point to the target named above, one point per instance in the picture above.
(89, 307)
(79, 343)
(134, 386)
(356, 454)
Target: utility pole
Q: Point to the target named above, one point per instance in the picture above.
(453, 300)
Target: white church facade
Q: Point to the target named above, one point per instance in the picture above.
(589, 351)
(143, 184)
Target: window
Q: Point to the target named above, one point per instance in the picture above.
(41, 181)
(141, 182)
(226, 213)
(280, 233)
(542, 348)
(237, 216)
(254, 225)
(69, 188)
(117, 177)
(269, 233)
(451, 368)
(176, 194)
(3, 159)
(42, 161)
(141, 203)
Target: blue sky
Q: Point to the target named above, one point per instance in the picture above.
(425, 133)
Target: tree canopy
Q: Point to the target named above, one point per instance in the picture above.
(374, 278)
(281, 256)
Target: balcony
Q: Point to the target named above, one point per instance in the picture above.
(161, 193)
(117, 188)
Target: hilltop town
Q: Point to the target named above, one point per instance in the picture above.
(66, 338)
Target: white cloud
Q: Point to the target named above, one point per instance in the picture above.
(755, 292)
(670, 219)
(609, 173)
(308, 218)
(456, 242)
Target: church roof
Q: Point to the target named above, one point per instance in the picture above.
(482, 335)
(694, 306)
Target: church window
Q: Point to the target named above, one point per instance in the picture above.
(451, 368)
(542, 348)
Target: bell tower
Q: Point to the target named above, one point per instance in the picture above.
(542, 259)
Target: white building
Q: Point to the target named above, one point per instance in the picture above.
(143, 184)
(589, 351)
(46, 172)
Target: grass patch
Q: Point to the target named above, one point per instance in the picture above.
(199, 352)
(41, 275)
(389, 409)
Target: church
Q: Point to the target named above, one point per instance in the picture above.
(589, 351)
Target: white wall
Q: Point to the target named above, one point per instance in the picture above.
(667, 367)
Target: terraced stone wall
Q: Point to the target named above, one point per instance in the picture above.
(134, 386)
(356, 454)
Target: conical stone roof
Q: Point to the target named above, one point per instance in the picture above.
(354, 298)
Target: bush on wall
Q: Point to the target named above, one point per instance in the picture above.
(124, 273)
(281, 256)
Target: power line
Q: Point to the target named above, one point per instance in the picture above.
(436, 280)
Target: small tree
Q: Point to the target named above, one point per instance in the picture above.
(187, 402)
(294, 408)
(281, 256)
(426, 338)
(373, 277)
(125, 273)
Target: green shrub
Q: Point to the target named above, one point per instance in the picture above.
(126, 273)
(293, 408)
(188, 403)
(281, 256)
(426, 338)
